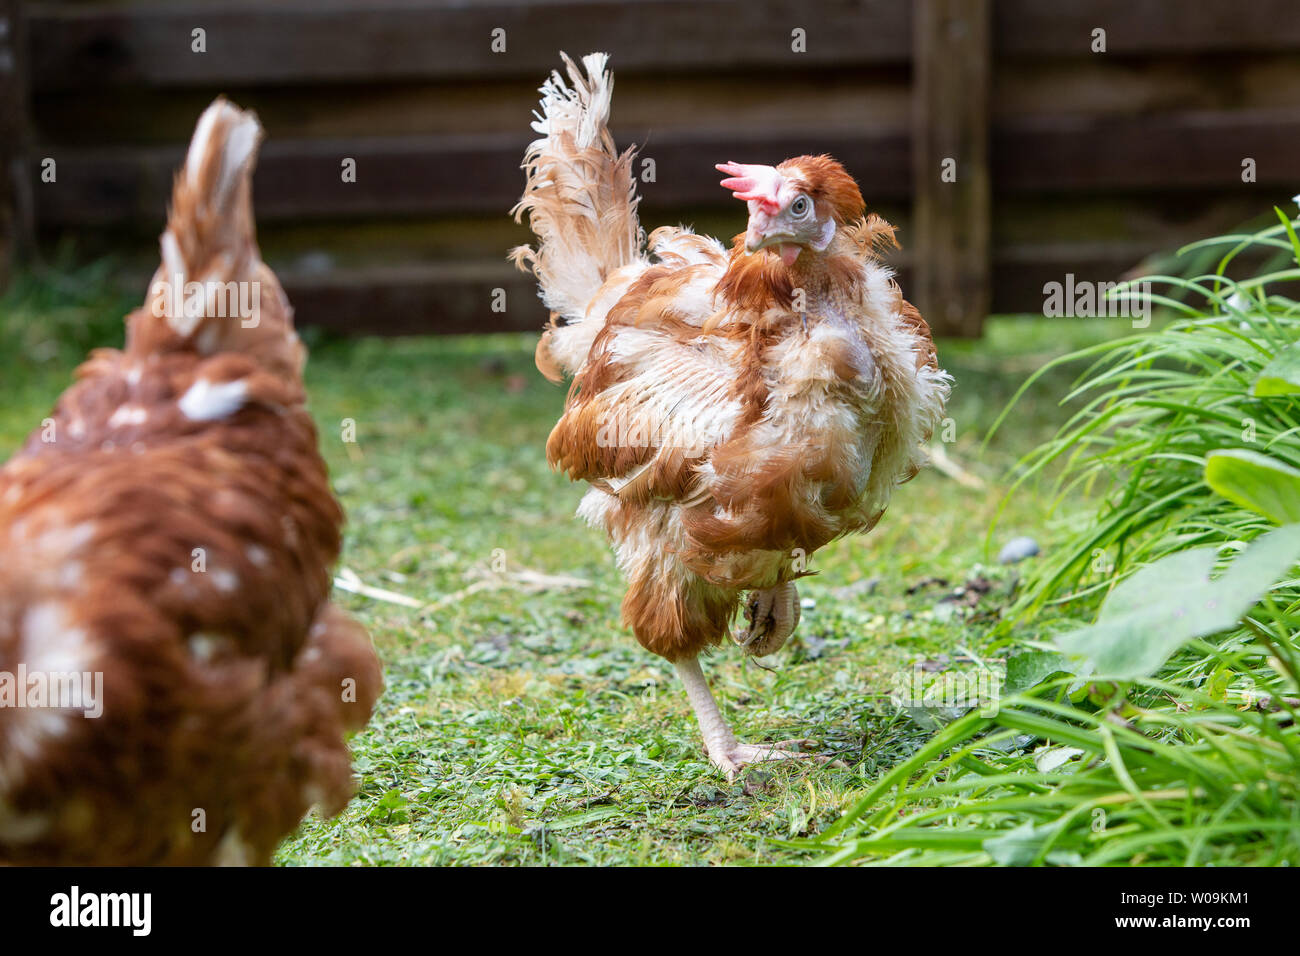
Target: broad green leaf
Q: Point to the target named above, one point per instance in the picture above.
(1047, 759)
(1166, 604)
(1032, 668)
(933, 718)
(1281, 376)
(1017, 847)
(1021, 846)
(1258, 482)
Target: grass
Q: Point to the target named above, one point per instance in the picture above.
(1191, 761)
(530, 727)
(526, 726)
(523, 725)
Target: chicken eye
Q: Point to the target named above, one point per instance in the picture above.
(800, 207)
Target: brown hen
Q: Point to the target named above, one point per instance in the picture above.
(165, 543)
(733, 410)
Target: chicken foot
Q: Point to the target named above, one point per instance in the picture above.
(773, 614)
(725, 752)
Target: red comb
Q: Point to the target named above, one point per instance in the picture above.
(761, 183)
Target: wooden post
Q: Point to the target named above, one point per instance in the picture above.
(950, 143)
(16, 216)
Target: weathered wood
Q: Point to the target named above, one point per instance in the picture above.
(1065, 153)
(453, 175)
(393, 40)
(1146, 86)
(479, 175)
(1094, 160)
(1161, 220)
(442, 175)
(1020, 271)
(456, 298)
(950, 164)
(450, 299)
(16, 227)
(644, 106)
(388, 40)
(1033, 28)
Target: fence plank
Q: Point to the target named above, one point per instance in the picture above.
(950, 164)
(389, 40)
(1129, 131)
(479, 175)
(1045, 154)
(1033, 28)
(16, 227)
(451, 299)
(440, 175)
(455, 299)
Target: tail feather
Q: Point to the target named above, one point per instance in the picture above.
(212, 290)
(580, 196)
(211, 236)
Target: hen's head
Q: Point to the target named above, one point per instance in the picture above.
(795, 206)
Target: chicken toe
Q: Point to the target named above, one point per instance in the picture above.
(732, 760)
(725, 752)
(773, 614)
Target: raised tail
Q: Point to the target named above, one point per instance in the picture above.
(212, 289)
(581, 203)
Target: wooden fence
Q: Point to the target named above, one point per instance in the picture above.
(1073, 151)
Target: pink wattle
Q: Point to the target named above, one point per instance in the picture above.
(789, 252)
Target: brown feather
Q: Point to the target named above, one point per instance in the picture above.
(186, 559)
(744, 432)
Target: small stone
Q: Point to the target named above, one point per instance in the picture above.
(808, 604)
(755, 782)
(1017, 549)
(859, 588)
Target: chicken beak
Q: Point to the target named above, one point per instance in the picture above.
(765, 231)
(757, 239)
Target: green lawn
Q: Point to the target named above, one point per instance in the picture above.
(521, 723)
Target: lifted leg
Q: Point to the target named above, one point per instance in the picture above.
(773, 614)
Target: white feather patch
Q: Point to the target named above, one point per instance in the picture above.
(206, 402)
(49, 645)
(128, 415)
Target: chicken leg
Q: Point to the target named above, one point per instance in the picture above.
(725, 752)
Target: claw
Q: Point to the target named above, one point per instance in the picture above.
(736, 757)
(773, 615)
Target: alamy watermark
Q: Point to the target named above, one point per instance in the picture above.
(621, 431)
(208, 299)
(977, 688)
(53, 690)
(1086, 300)
(75, 908)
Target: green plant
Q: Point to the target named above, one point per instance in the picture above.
(1166, 731)
(56, 314)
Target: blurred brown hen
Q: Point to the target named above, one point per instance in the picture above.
(733, 409)
(168, 534)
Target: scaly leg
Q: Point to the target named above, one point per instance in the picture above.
(725, 752)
